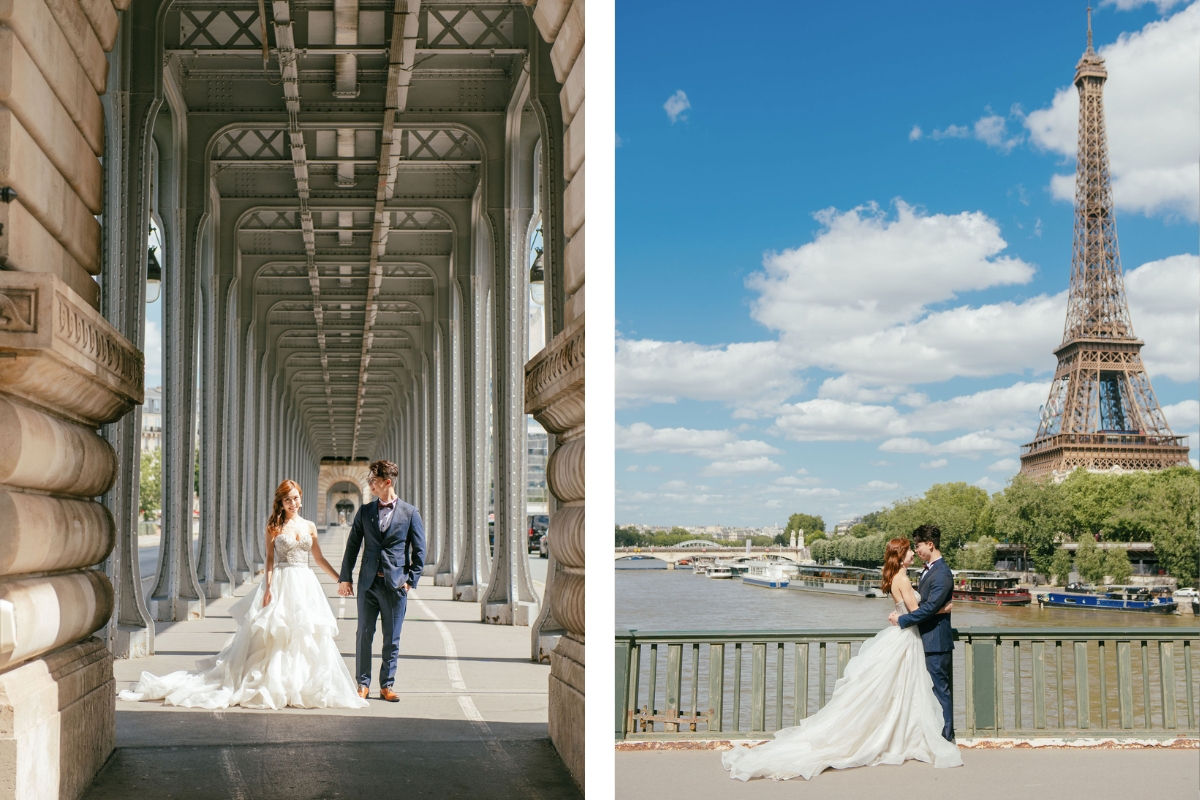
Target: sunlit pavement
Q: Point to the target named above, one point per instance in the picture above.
(483, 735)
(985, 775)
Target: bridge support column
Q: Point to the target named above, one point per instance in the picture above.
(554, 387)
(470, 583)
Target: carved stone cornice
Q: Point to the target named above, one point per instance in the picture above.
(57, 352)
(554, 382)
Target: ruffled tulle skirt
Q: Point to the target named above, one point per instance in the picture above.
(280, 655)
(882, 711)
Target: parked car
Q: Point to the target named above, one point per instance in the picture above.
(544, 546)
(1187, 591)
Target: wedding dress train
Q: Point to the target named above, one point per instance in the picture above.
(883, 711)
(283, 654)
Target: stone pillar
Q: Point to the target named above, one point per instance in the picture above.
(554, 391)
(64, 372)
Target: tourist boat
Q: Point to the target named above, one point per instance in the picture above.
(971, 586)
(1116, 598)
(719, 572)
(701, 566)
(854, 581)
(769, 574)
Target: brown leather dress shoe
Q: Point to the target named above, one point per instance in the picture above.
(386, 693)
(362, 692)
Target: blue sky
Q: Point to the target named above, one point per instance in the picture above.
(844, 239)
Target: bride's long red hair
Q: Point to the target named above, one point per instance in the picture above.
(275, 523)
(893, 561)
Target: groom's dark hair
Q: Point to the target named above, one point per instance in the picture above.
(384, 470)
(928, 533)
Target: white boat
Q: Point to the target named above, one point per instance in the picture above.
(720, 572)
(854, 581)
(769, 575)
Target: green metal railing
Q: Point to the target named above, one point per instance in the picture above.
(1132, 683)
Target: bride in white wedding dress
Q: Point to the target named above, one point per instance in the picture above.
(883, 710)
(283, 652)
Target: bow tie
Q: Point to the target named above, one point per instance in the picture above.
(387, 505)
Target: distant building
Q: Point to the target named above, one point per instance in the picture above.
(538, 448)
(152, 420)
(845, 525)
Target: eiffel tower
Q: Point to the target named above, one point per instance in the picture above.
(1102, 414)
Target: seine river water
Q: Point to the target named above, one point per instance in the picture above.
(677, 600)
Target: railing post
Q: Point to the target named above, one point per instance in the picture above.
(622, 694)
(1125, 683)
(1018, 722)
(758, 687)
(843, 658)
(652, 689)
(1146, 684)
(983, 679)
(821, 677)
(716, 685)
(1166, 682)
(695, 683)
(801, 682)
(674, 685)
(1083, 695)
(737, 687)
(1039, 684)
(1103, 685)
(969, 689)
(778, 685)
(1187, 675)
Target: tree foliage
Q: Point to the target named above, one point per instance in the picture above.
(1089, 560)
(150, 483)
(1117, 566)
(808, 523)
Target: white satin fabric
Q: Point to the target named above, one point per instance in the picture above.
(883, 711)
(281, 655)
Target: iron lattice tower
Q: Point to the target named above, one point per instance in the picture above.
(1101, 413)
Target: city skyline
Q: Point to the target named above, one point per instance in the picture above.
(875, 310)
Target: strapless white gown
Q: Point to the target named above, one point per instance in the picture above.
(883, 711)
(280, 655)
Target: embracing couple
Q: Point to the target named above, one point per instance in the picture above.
(283, 652)
(893, 702)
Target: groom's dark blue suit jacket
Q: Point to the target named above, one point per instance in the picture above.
(936, 588)
(398, 552)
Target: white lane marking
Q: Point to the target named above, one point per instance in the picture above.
(456, 679)
(470, 711)
(233, 776)
(341, 608)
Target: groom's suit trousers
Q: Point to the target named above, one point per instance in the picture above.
(388, 605)
(941, 669)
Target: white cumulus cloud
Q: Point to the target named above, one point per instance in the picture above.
(665, 372)
(742, 466)
(1150, 101)
(1165, 314)
(153, 351)
(677, 106)
(713, 444)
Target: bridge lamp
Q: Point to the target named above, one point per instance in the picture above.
(153, 277)
(537, 279)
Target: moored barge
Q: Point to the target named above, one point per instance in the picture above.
(854, 581)
(769, 575)
(1119, 598)
(971, 586)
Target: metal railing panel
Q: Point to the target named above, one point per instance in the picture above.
(1000, 675)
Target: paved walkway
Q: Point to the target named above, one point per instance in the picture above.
(985, 775)
(471, 721)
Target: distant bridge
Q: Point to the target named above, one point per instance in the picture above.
(704, 548)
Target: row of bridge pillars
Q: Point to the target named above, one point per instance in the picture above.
(72, 297)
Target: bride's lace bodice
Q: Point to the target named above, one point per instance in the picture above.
(903, 609)
(293, 544)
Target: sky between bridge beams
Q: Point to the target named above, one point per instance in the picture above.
(844, 241)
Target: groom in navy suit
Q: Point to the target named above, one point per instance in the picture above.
(936, 589)
(392, 536)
